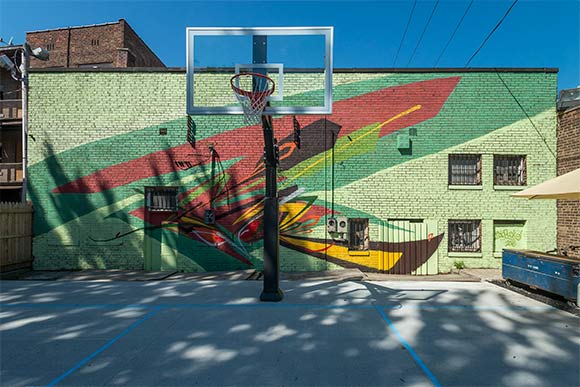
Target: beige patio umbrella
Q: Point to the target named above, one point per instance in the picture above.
(566, 186)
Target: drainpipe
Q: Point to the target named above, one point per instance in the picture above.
(68, 49)
(24, 70)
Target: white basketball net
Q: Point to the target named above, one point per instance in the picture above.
(252, 91)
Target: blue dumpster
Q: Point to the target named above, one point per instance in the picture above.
(553, 273)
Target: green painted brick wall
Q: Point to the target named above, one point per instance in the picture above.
(86, 122)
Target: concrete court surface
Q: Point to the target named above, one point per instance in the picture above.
(177, 333)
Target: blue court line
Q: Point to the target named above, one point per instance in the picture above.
(409, 349)
(271, 305)
(78, 306)
(101, 349)
(481, 307)
(186, 306)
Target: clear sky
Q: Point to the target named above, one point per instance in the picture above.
(537, 33)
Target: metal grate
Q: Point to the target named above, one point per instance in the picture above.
(464, 236)
(161, 198)
(358, 234)
(464, 169)
(509, 170)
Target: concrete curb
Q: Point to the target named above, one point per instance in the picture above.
(237, 275)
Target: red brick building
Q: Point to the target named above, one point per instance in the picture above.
(99, 45)
(568, 160)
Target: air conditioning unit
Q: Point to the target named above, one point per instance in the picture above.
(342, 224)
(331, 224)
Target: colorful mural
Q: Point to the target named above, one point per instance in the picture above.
(223, 172)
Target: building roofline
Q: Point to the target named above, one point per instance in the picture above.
(11, 48)
(336, 70)
(568, 109)
(127, 25)
(75, 27)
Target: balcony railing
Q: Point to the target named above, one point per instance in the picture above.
(10, 109)
(10, 173)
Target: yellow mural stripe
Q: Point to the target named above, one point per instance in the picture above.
(374, 259)
(251, 212)
(293, 211)
(186, 219)
(379, 126)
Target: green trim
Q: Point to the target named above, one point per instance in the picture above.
(455, 254)
(509, 187)
(497, 254)
(466, 187)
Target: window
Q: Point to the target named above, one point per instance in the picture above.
(161, 198)
(509, 170)
(94, 42)
(358, 234)
(464, 236)
(50, 46)
(464, 169)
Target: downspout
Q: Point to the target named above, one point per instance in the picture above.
(68, 49)
(24, 69)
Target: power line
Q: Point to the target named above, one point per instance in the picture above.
(453, 34)
(423, 33)
(405, 33)
(491, 32)
(526, 113)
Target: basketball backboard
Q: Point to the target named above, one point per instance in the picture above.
(297, 59)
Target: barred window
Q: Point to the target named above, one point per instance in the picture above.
(464, 169)
(464, 236)
(161, 198)
(358, 234)
(509, 170)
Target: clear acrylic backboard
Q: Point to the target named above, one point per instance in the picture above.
(297, 59)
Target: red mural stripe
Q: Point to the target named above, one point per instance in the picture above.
(351, 114)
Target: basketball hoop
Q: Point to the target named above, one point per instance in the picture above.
(252, 91)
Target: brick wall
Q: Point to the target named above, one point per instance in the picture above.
(140, 55)
(90, 165)
(569, 160)
(103, 45)
(57, 41)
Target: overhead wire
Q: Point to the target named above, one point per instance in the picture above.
(503, 81)
(405, 33)
(454, 32)
(491, 32)
(423, 33)
(526, 113)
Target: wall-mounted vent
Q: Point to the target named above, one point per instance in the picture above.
(403, 141)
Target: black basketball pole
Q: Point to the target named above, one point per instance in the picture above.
(271, 291)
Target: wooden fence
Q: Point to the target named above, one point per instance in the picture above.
(15, 236)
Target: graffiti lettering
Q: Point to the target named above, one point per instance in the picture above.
(183, 165)
(511, 237)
